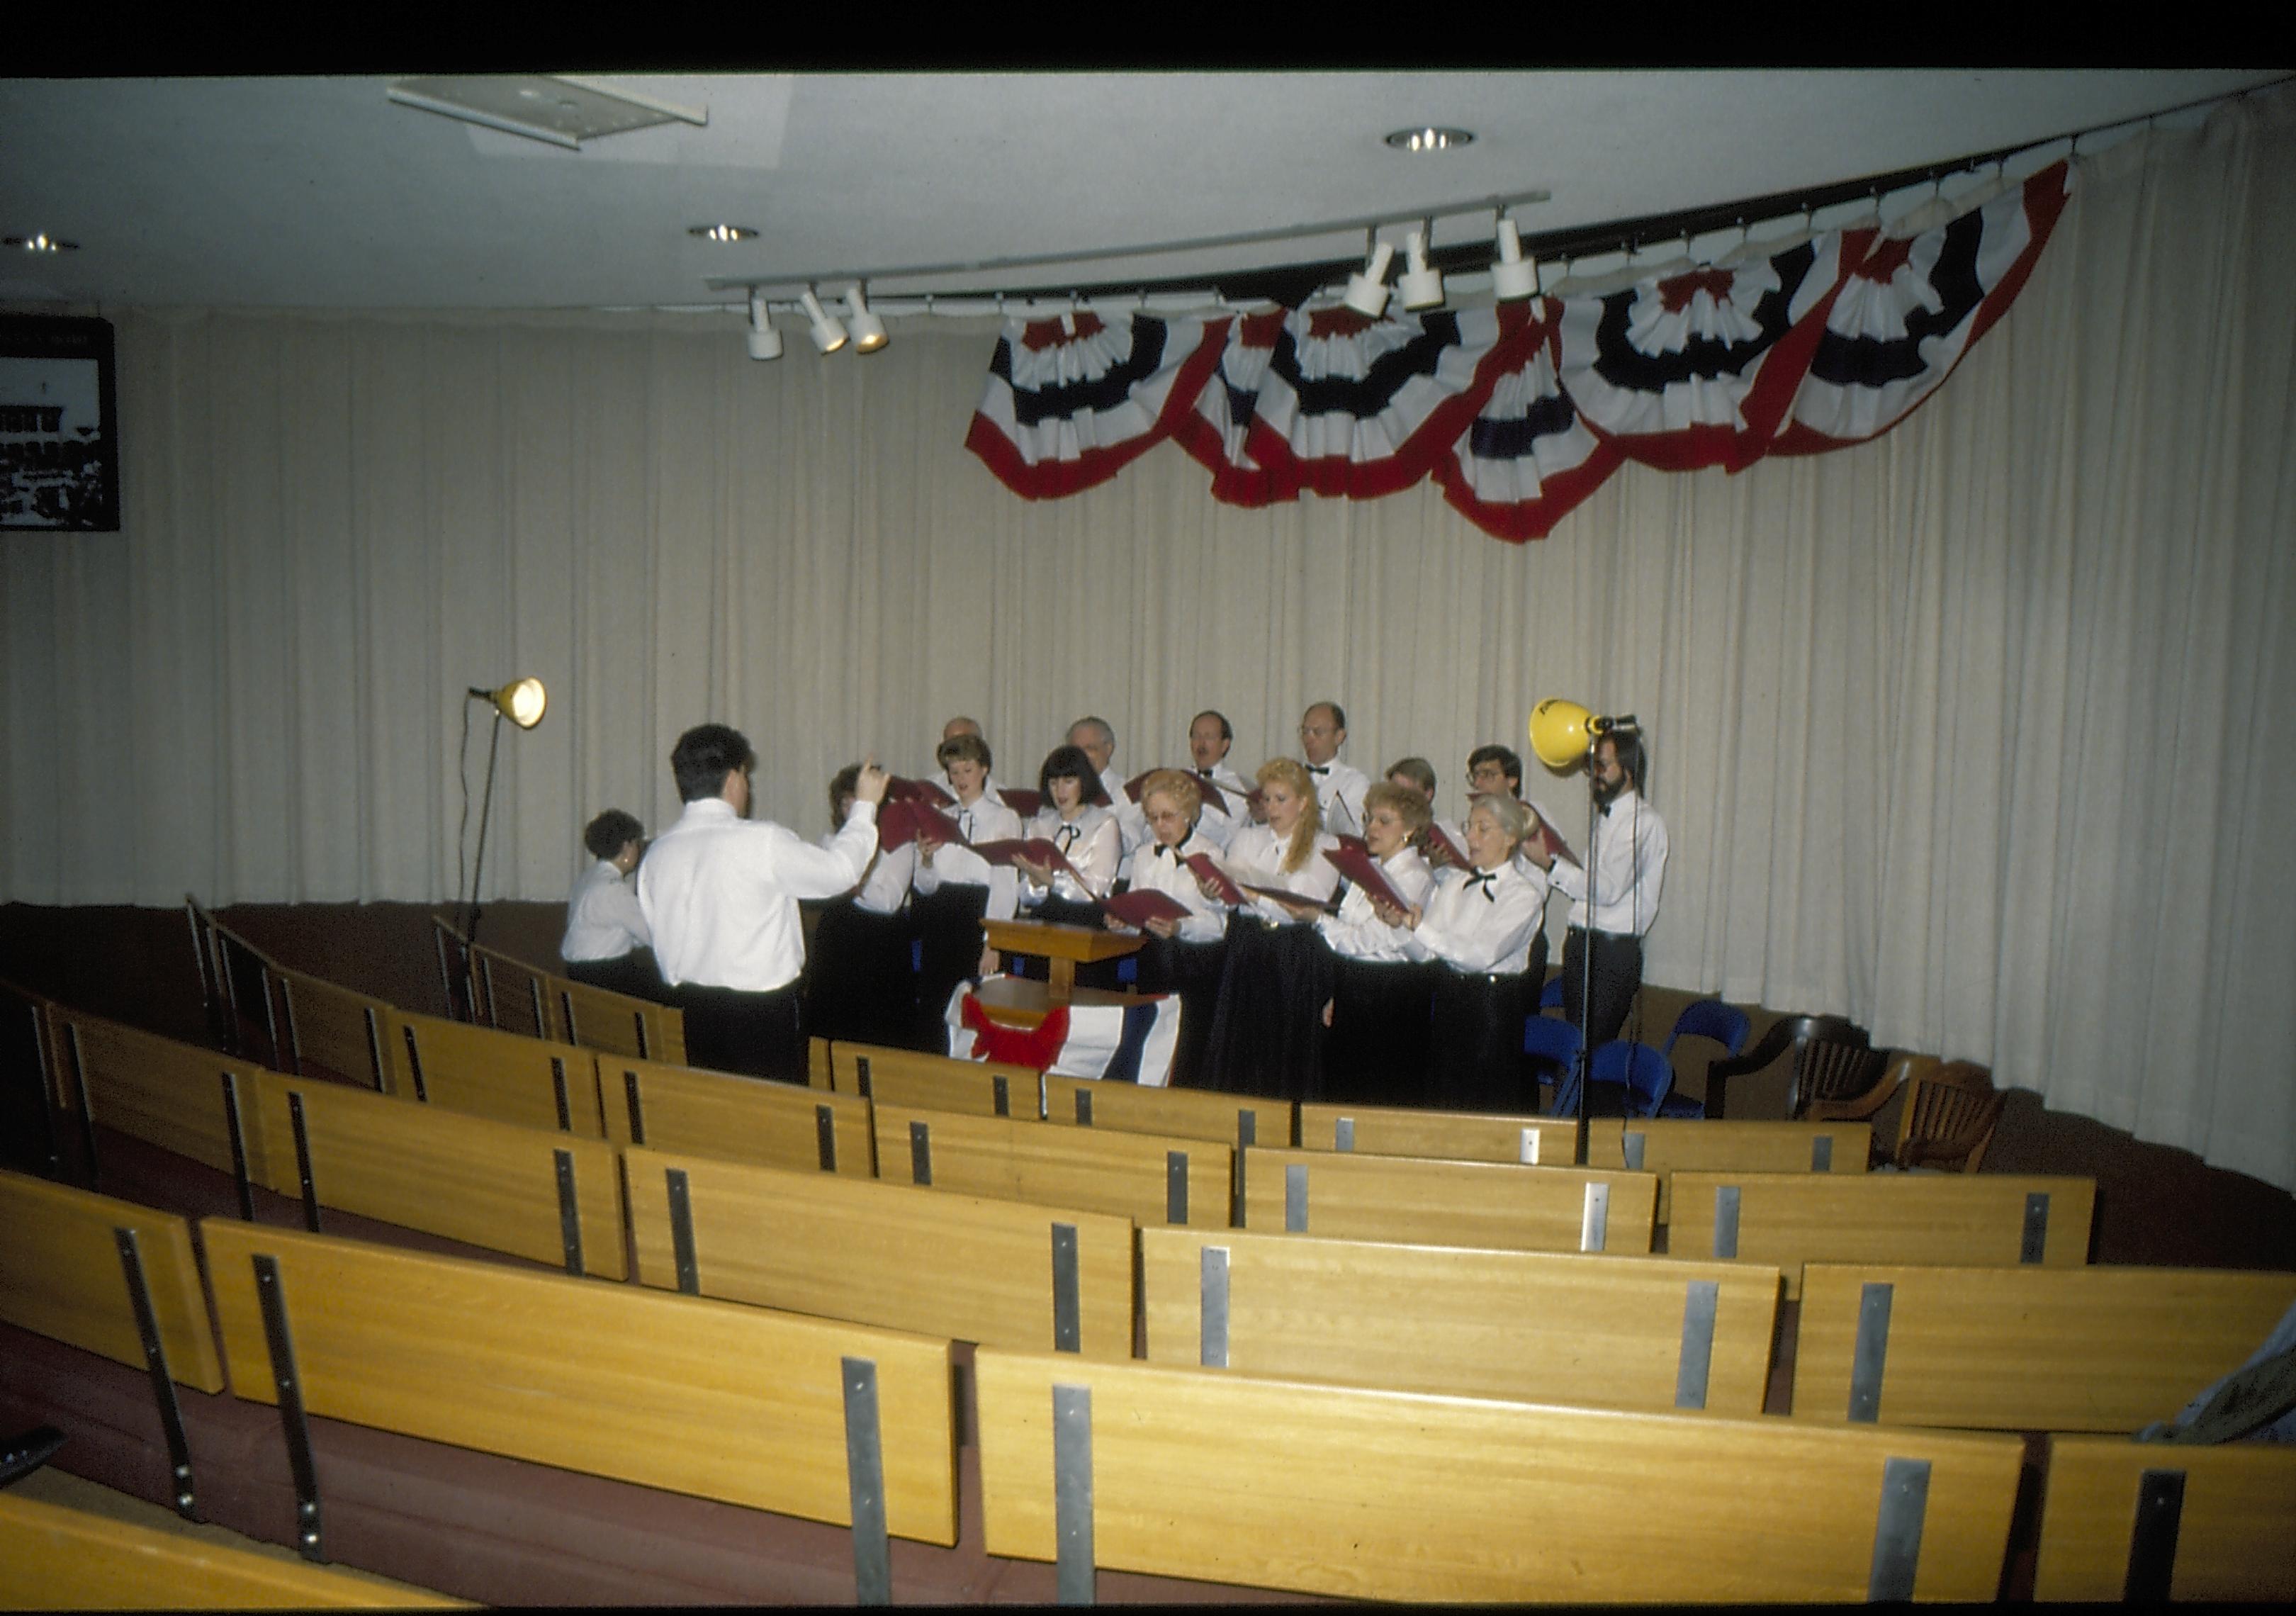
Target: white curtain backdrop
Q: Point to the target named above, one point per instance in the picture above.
(1978, 734)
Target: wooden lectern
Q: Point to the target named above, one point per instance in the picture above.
(1014, 1002)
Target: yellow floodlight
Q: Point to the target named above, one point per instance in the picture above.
(522, 701)
(1561, 732)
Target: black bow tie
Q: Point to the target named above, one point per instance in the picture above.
(1204, 772)
(1320, 768)
(1165, 849)
(1069, 833)
(1484, 879)
(1606, 810)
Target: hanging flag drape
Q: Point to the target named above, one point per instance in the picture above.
(1519, 412)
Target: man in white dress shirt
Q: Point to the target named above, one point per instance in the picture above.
(1097, 740)
(1209, 736)
(1627, 861)
(607, 943)
(720, 894)
(1340, 787)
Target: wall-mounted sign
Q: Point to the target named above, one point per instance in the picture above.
(59, 427)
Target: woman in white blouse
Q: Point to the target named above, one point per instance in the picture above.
(1484, 924)
(859, 981)
(1267, 1034)
(956, 887)
(1076, 820)
(1183, 956)
(1378, 1013)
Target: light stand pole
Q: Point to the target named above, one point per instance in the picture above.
(521, 702)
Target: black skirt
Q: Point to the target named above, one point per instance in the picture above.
(1192, 971)
(1474, 1046)
(949, 940)
(1267, 1034)
(1381, 1012)
(860, 984)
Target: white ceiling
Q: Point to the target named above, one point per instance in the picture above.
(322, 192)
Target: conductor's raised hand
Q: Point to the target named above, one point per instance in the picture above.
(870, 786)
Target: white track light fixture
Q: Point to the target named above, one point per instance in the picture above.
(1421, 287)
(868, 330)
(765, 342)
(828, 334)
(1366, 294)
(1513, 277)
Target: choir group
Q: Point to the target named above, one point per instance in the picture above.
(1326, 936)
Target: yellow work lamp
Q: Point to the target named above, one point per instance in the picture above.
(1561, 732)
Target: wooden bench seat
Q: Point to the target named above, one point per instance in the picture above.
(617, 1023)
(1147, 1178)
(916, 1082)
(709, 1399)
(1980, 1219)
(511, 996)
(501, 1075)
(1177, 1113)
(178, 1096)
(1414, 1201)
(1392, 1494)
(961, 1266)
(2023, 1348)
(539, 1194)
(1667, 1145)
(331, 1031)
(737, 1119)
(58, 1558)
(1532, 1327)
(2156, 1520)
(1443, 1136)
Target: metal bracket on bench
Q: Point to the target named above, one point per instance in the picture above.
(569, 1213)
(1247, 1127)
(920, 1152)
(1821, 1153)
(1527, 1147)
(825, 1132)
(631, 1099)
(1073, 1579)
(558, 1089)
(681, 1231)
(1726, 1220)
(294, 1038)
(865, 1480)
(2153, 1536)
(289, 1388)
(1176, 1186)
(861, 1077)
(155, 1359)
(534, 1002)
(414, 1066)
(1871, 1354)
(2036, 1228)
(1084, 1107)
(566, 1009)
(374, 1047)
(303, 1161)
(637, 1024)
(494, 1013)
(1898, 1530)
(1594, 1217)
(86, 1104)
(1003, 1093)
(43, 1059)
(1631, 1145)
(236, 1131)
(1343, 1133)
(1295, 1197)
(1067, 1335)
(1213, 1333)
(1699, 1299)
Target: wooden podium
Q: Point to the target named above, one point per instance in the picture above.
(1015, 1002)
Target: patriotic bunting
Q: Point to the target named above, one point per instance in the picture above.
(1519, 412)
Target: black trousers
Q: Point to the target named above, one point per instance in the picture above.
(1618, 976)
(631, 973)
(757, 1034)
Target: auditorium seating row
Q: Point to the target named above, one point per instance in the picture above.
(1272, 1474)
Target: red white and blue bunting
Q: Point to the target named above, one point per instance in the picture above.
(1519, 412)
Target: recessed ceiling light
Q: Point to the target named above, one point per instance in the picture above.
(42, 242)
(722, 233)
(1429, 138)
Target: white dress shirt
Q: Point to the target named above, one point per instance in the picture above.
(1156, 868)
(1358, 931)
(984, 820)
(1339, 789)
(720, 893)
(886, 887)
(1481, 922)
(1257, 856)
(1629, 860)
(1131, 819)
(602, 917)
(1091, 842)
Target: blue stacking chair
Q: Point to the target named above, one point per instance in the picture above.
(1711, 1019)
(1634, 1075)
(1550, 997)
(1555, 1044)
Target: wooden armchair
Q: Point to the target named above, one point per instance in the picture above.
(1950, 1115)
(1798, 1033)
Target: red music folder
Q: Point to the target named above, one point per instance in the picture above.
(1357, 864)
(1136, 910)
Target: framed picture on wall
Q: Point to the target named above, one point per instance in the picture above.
(59, 427)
